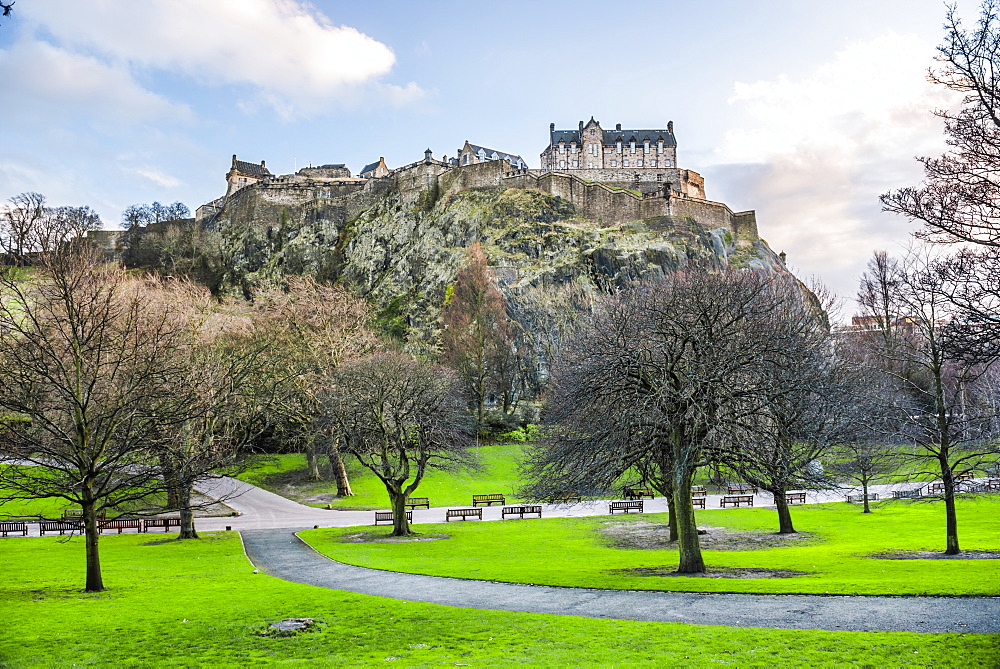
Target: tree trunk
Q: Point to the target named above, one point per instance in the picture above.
(784, 514)
(864, 495)
(187, 515)
(951, 517)
(672, 518)
(400, 526)
(691, 561)
(312, 460)
(95, 580)
(339, 471)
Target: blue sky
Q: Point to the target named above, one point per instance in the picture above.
(804, 111)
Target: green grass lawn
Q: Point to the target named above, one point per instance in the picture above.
(287, 475)
(197, 603)
(574, 552)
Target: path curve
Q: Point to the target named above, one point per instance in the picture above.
(282, 554)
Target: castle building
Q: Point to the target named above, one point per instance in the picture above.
(242, 174)
(375, 170)
(620, 156)
(471, 154)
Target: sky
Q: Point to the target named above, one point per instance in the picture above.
(803, 110)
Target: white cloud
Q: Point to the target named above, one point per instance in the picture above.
(813, 155)
(39, 79)
(290, 53)
(158, 177)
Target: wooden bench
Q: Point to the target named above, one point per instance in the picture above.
(872, 497)
(698, 502)
(14, 527)
(488, 500)
(463, 514)
(520, 510)
(62, 526)
(414, 502)
(795, 498)
(935, 489)
(388, 517)
(121, 524)
(906, 494)
(699, 490)
(991, 485)
(165, 523)
(565, 498)
(736, 500)
(741, 488)
(639, 493)
(625, 507)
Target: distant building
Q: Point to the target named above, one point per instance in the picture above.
(330, 171)
(374, 170)
(620, 155)
(472, 154)
(242, 174)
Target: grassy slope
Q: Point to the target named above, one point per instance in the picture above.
(571, 552)
(199, 604)
(499, 475)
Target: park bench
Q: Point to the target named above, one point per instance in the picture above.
(566, 497)
(736, 500)
(698, 502)
(625, 507)
(14, 526)
(165, 523)
(639, 493)
(906, 494)
(741, 488)
(991, 485)
(62, 526)
(388, 517)
(795, 498)
(698, 490)
(463, 514)
(935, 488)
(488, 500)
(414, 502)
(121, 524)
(872, 497)
(520, 510)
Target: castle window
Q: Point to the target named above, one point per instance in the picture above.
(625, 163)
(652, 163)
(666, 163)
(614, 163)
(619, 145)
(645, 147)
(576, 163)
(562, 163)
(572, 147)
(638, 163)
(632, 146)
(562, 148)
(659, 146)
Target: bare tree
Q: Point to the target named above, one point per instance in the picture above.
(309, 329)
(399, 418)
(865, 463)
(477, 340)
(86, 360)
(933, 381)
(19, 224)
(667, 372)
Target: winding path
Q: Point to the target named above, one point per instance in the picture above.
(283, 555)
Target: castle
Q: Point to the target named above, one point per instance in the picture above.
(611, 176)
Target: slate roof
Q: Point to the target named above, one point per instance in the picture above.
(613, 136)
(370, 167)
(251, 169)
(500, 154)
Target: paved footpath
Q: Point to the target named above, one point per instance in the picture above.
(280, 553)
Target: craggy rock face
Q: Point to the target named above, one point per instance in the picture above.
(403, 248)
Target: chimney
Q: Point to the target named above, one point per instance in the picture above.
(234, 160)
(427, 155)
(262, 165)
(552, 127)
(581, 125)
(618, 126)
(670, 126)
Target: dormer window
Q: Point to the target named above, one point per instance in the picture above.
(562, 148)
(659, 146)
(632, 145)
(645, 146)
(618, 144)
(572, 147)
